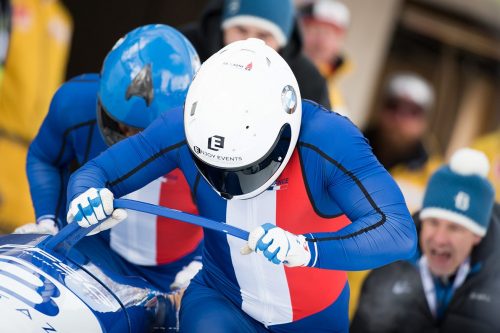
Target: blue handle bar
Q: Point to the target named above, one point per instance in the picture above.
(181, 216)
(65, 239)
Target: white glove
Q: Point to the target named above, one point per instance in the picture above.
(45, 226)
(94, 206)
(278, 245)
(183, 278)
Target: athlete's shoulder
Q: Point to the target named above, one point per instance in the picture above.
(85, 78)
(169, 124)
(81, 84)
(323, 128)
(76, 100)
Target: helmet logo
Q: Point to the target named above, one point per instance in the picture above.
(289, 99)
(249, 67)
(215, 142)
(142, 85)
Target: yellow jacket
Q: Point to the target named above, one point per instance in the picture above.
(34, 68)
(414, 182)
(490, 145)
(332, 76)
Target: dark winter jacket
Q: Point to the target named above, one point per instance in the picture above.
(206, 37)
(393, 299)
(414, 158)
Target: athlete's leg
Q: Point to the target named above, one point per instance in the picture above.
(334, 318)
(162, 276)
(203, 309)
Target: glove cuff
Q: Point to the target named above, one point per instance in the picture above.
(195, 266)
(313, 249)
(50, 217)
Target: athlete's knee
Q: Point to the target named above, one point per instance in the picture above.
(203, 308)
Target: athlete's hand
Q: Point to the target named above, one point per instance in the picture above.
(94, 206)
(183, 278)
(278, 246)
(44, 226)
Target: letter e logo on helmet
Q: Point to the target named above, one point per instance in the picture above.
(215, 142)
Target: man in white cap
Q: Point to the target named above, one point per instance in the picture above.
(398, 134)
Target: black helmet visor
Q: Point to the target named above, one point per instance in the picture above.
(231, 182)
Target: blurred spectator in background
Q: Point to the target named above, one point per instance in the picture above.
(398, 134)
(34, 68)
(453, 285)
(324, 24)
(274, 22)
(490, 145)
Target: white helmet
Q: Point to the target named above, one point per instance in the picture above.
(242, 118)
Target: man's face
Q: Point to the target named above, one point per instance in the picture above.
(403, 121)
(322, 41)
(240, 32)
(446, 245)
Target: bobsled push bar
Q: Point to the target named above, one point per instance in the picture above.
(63, 241)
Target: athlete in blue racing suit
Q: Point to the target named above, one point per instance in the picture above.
(332, 191)
(71, 135)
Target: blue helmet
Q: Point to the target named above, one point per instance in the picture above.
(147, 72)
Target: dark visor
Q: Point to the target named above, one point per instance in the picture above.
(246, 179)
(110, 129)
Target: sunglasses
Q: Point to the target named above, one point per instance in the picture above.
(404, 108)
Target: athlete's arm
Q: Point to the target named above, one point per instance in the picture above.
(133, 162)
(48, 157)
(381, 229)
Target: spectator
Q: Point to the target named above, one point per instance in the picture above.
(227, 21)
(490, 145)
(398, 134)
(325, 24)
(34, 68)
(453, 285)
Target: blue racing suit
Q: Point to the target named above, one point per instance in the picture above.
(333, 191)
(69, 137)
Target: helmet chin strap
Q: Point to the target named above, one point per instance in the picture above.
(111, 137)
(226, 196)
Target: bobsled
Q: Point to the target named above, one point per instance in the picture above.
(62, 283)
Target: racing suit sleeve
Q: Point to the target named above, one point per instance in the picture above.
(47, 163)
(134, 162)
(381, 229)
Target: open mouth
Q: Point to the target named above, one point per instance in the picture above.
(441, 255)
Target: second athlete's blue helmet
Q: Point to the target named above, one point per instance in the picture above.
(147, 72)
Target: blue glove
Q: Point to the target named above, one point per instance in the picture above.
(278, 246)
(94, 206)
